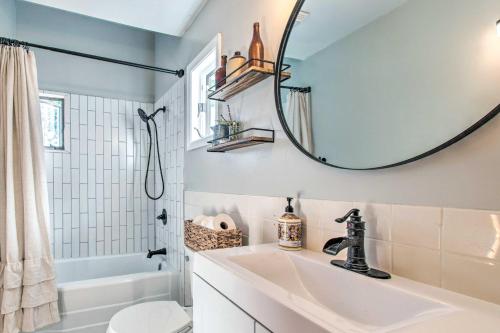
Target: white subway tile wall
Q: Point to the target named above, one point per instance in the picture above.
(171, 140)
(448, 248)
(97, 202)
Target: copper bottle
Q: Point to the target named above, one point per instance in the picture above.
(220, 74)
(256, 50)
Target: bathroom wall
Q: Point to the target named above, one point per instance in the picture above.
(8, 18)
(426, 220)
(234, 19)
(96, 185)
(168, 54)
(171, 140)
(60, 72)
(455, 249)
(463, 176)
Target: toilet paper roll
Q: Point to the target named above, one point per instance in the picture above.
(199, 219)
(223, 222)
(208, 222)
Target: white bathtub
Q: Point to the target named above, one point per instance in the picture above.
(92, 290)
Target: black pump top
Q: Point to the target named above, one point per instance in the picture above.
(289, 208)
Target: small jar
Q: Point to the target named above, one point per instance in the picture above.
(235, 66)
(234, 127)
(290, 230)
(221, 134)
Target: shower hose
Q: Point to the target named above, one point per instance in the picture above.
(149, 161)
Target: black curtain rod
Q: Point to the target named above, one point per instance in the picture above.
(300, 89)
(13, 42)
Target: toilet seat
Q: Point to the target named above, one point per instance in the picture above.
(150, 317)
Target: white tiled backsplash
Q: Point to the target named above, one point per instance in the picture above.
(449, 248)
(97, 200)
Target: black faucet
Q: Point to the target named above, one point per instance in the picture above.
(156, 252)
(355, 242)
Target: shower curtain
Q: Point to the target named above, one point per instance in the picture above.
(298, 117)
(28, 292)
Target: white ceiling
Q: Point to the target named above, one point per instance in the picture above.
(332, 20)
(172, 17)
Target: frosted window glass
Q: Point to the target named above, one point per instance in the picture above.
(52, 122)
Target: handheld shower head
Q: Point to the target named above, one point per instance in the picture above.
(145, 118)
(143, 115)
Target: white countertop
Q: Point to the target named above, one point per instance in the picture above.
(283, 300)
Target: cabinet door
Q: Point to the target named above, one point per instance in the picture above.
(213, 313)
(188, 274)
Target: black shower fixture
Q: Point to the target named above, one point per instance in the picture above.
(145, 118)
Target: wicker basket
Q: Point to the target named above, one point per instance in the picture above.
(200, 238)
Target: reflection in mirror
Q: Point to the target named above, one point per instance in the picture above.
(378, 82)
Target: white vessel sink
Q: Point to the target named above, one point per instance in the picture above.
(358, 298)
(302, 292)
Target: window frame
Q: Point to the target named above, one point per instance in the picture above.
(64, 110)
(214, 44)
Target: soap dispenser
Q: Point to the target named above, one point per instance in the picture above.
(290, 229)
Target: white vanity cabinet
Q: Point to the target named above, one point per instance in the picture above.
(236, 287)
(214, 313)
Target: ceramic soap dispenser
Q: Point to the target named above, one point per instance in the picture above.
(290, 229)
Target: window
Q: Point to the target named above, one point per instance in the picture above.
(202, 112)
(52, 109)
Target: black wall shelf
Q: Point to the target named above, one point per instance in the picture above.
(237, 143)
(250, 76)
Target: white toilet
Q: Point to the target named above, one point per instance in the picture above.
(151, 317)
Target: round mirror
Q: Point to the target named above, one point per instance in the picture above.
(369, 84)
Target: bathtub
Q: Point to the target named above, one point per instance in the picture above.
(92, 290)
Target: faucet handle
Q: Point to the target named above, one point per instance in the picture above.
(353, 212)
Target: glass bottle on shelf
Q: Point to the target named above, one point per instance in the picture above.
(256, 50)
(220, 74)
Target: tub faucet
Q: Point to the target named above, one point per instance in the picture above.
(156, 252)
(355, 244)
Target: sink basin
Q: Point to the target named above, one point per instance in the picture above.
(297, 292)
(369, 303)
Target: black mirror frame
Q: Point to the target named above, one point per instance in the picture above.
(281, 115)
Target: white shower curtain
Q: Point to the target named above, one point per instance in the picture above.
(28, 292)
(298, 117)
